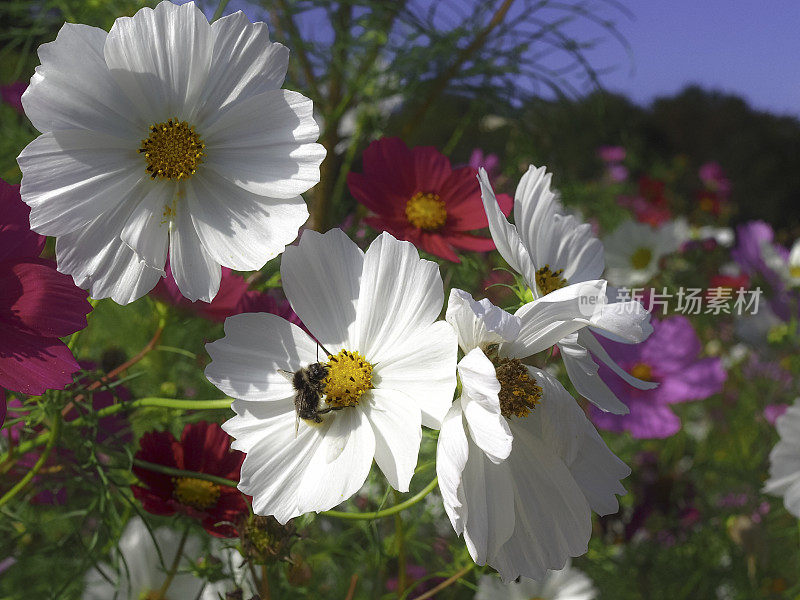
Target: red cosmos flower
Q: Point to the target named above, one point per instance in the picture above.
(203, 448)
(417, 196)
(38, 305)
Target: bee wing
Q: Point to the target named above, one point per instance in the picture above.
(296, 424)
(288, 374)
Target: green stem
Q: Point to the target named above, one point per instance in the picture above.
(181, 473)
(447, 582)
(401, 548)
(220, 9)
(387, 512)
(55, 430)
(162, 591)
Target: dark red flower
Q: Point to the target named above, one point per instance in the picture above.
(417, 196)
(38, 305)
(731, 282)
(12, 95)
(234, 297)
(203, 448)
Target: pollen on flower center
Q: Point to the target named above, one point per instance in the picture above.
(519, 392)
(349, 376)
(548, 281)
(426, 211)
(642, 371)
(641, 258)
(197, 493)
(173, 150)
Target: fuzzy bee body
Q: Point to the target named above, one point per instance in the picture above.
(309, 387)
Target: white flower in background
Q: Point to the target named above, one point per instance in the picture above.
(784, 461)
(167, 134)
(786, 266)
(139, 571)
(391, 370)
(566, 584)
(794, 264)
(520, 466)
(633, 251)
(550, 250)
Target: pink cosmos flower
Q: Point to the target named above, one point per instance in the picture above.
(611, 154)
(12, 95)
(670, 357)
(713, 177)
(234, 297)
(417, 196)
(490, 162)
(38, 305)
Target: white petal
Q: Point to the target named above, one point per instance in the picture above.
(160, 58)
(587, 339)
(264, 144)
(241, 230)
(100, 261)
(400, 294)
(479, 399)
(245, 363)
(71, 177)
(147, 229)
(479, 323)
(321, 280)
(489, 498)
(550, 318)
(195, 272)
(627, 322)
(505, 236)
(397, 425)
(452, 449)
(553, 520)
(244, 63)
(424, 368)
(583, 373)
(73, 89)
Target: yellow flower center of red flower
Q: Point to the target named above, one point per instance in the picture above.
(549, 281)
(519, 392)
(197, 493)
(173, 150)
(349, 376)
(642, 371)
(426, 211)
(641, 258)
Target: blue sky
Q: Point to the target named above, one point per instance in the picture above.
(747, 47)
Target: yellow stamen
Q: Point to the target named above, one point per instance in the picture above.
(173, 150)
(197, 493)
(426, 211)
(642, 371)
(519, 392)
(349, 376)
(641, 258)
(548, 281)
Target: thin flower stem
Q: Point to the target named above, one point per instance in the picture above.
(162, 591)
(447, 582)
(351, 592)
(388, 512)
(220, 9)
(401, 548)
(265, 594)
(55, 430)
(182, 473)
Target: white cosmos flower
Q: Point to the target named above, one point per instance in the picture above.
(565, 584)
(520, 466)
(784, 461)
(550, 249)
(787, 267)
(142, 565)
(166, 135)
(393, 370)
(633, 251)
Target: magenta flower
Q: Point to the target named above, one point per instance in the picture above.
(490, 162)
(38, 305)
(713, 177)
(12, 95)
(611, 154)
(234, 297)
(670, 357)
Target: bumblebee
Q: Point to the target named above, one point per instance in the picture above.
(309, 387)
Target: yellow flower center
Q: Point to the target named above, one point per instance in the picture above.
(426, 211)
(642, 371)
(794, 272)
(641, 258)
(349, 376)
(173, 151)
(549, 281)
(519, 392)
(197, 493)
